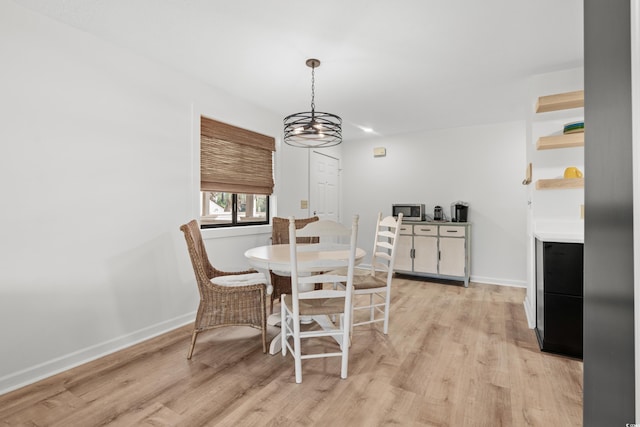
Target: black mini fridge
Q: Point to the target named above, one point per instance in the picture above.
(559, 289)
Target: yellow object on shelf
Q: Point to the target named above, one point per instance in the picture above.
(572, 172)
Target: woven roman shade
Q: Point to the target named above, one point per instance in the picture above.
(235, 160)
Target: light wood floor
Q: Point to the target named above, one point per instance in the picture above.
(453, 357)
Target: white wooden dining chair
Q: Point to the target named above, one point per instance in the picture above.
(376, 281)
(326, 306)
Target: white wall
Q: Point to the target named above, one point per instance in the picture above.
(99, 167)
(482, 165)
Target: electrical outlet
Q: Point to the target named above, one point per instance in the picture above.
(581, 211)
(304, 204)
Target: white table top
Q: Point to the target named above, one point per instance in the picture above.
(276, 257)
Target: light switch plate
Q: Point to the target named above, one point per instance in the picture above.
(304, 204)
(379, 152)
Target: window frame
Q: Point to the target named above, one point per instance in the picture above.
(234, 215)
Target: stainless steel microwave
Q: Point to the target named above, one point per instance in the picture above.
(409, 211)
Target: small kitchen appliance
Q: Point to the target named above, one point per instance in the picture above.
(437, 213)
(459, 211)
(409, 211)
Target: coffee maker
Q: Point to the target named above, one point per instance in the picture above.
(459, 211)
(438, 214)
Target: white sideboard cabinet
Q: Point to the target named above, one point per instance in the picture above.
(441, 250)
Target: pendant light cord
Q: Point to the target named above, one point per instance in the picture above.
(313, 89)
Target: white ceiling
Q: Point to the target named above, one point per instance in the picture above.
(394, 66)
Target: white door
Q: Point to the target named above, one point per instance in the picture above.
(324, 186)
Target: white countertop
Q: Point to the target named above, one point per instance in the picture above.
(559, 237)
(560, 231)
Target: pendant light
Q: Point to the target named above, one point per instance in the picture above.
(312, 129)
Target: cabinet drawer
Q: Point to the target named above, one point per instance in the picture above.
(425, 230)
(406, 229)
(452, 231)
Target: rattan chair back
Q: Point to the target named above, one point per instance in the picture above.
(223, 305)
(280, 235)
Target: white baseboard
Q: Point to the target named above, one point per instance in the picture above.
(501, 282)
(531, 317)
(52, 367)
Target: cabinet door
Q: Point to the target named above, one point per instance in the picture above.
(426, 254)
(563, 268)
(563, 324)
(452, 256)
(404, 261)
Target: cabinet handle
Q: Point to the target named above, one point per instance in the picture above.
(452, 231)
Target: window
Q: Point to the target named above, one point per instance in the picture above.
(236, 175)
(218, 209)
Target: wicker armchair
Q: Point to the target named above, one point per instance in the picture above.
(240, 303)
(280, 235)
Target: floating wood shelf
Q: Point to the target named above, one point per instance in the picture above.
(560, 141)
(560, 101)
(559, 184)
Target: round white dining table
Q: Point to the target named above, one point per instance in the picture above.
(278, 259)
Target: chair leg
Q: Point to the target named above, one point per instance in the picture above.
(263, 322)
(297, 351)
(345, 346)
(372, 313)
(194, 335)
(284, 324)
(387, 304)
(353, 312)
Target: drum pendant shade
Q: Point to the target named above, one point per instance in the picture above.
(312, 129)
